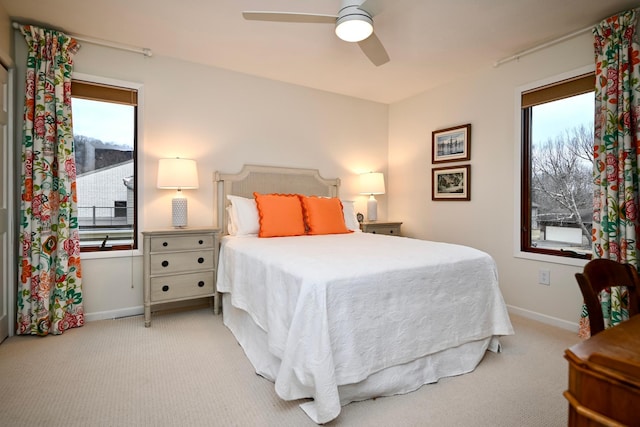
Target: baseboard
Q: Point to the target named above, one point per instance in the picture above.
(543, 318)
(114, 314)
(167, 307)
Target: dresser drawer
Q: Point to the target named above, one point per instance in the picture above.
(181, 261)
(179, 243)
(391, 230)
(375, 227)
(182, 286)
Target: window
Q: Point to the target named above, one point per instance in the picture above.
(557, 165)
(105, 143)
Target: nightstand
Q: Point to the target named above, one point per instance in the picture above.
(379, 227)
(179, 264)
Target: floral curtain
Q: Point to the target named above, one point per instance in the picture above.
(49, 290)
(616, 141)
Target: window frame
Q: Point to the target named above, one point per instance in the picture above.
(522, 164)
(93, 252)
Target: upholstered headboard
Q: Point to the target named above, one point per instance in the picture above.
(268, 179)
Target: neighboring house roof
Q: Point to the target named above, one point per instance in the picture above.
(102, 170)
(102, 187)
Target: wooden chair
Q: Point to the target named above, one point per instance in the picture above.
(599, 274)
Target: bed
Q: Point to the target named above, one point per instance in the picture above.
(334, 318)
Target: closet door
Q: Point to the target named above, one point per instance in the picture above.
(5, 174)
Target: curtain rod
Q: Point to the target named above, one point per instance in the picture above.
(542, 46)
(143, 50)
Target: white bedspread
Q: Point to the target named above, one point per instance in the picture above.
(338, 308)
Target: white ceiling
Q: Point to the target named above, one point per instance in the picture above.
(429, 41)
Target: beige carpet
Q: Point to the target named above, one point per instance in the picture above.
(187, 370)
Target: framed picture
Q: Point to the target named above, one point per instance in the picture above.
(451, 145)
(451, 183)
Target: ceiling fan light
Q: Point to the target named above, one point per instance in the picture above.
(354, 28)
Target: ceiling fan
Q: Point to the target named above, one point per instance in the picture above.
(354, 23)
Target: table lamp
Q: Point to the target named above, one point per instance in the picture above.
(178, 174)
(372, 183)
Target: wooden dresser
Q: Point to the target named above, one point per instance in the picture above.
(604, 378)
(179, 264)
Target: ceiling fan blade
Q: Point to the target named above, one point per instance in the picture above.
(306, 18)
(373, 7)
(372, 47)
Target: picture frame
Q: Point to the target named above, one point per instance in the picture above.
(451, 144)
(451, 183)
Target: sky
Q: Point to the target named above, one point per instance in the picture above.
(90, 119)
(551, 119)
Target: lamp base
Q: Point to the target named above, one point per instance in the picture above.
(372, 209)
(179, 212)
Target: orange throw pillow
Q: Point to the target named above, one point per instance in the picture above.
(280, 215)
(323, 215)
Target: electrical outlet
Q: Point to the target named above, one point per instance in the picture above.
(544, 277)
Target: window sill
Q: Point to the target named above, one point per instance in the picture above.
(578, 262)
(110, 254)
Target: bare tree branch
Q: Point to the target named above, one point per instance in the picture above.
(561, 177)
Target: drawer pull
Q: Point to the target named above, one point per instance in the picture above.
(200, 260)
(390, 231)
(165, 263)
(165, 244)
(200, 241)
(373, 232)
(201, 283)
(165, 288)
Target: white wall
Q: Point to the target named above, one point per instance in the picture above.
(485, 99)
(223, 119)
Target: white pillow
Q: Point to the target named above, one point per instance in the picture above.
(349, 212)
(231, 222)
(243, 216)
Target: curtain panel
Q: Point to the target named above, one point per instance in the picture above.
(616, 139)
(49, 296)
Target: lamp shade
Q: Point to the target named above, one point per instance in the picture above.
(372, 183)
(177, 173)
